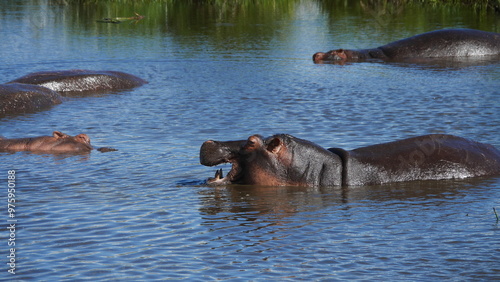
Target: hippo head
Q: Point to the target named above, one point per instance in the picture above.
(339, 55)
(62, 142)
(280, 160)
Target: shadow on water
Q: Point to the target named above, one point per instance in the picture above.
(252, 202)
(52, 157)
(180, 17)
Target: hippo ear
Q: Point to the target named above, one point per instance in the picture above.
(340, 53)
(274, 145)
(58, 134)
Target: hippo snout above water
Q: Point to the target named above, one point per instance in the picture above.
(57, 143)
(284, 160)
(446, 43)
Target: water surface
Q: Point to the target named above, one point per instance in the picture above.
(226, 72)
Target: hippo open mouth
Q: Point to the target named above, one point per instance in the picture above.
(232, 176)
(213, 153)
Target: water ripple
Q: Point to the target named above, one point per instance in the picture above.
(143, 213)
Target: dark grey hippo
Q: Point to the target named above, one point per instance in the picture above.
(283, 160)
(446, 43)
(82, 80)
(16, 98)
(57, 143)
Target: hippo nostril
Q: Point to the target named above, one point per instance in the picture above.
(318, 56)
(211, 143)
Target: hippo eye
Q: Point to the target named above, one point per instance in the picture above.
(83, 139)
(249, 144)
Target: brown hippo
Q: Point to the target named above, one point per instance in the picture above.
(18, 98)
(444, 43)
(283, 160)
(57, 143)
(82, 80)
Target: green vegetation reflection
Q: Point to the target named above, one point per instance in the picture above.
(476, 4)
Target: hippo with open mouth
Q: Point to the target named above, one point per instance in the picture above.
(284, 160)
(445, 43)
(57, 143)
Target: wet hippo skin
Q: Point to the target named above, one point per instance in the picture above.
(57, 143)
(284, 160)
(17, 98)
(82, 80)
(446, 43)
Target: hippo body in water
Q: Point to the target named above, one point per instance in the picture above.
(18, 98)
(39, 90)
(283, 160)
(446, 43)
(82, 80)
(57, 143)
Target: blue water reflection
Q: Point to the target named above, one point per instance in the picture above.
(142, 213)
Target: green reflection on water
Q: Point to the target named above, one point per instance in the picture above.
(178, 17)
(235, 25)
(188, 16)
(386, 21)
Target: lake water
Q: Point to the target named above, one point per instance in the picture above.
(225, 72)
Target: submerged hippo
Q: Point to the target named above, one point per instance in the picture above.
(18, 98)
(57, 143)
(283, 160)
(446, 43)
(82, 80)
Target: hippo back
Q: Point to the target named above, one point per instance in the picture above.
(428, 157)
(16, 98)
(82, 80)
(445, 43)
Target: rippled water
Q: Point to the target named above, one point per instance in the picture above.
(143, 213)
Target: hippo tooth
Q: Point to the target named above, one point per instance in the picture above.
(218, 174)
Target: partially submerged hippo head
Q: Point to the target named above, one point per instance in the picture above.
(333, 55)
(57, 143)
(280, 160)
